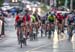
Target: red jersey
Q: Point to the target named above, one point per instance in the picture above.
(59, 17)
(25, 18)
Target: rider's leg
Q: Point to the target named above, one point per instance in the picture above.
(62, 30)
(45, 29)
(41, 31)
(53, 29)
(69, 33)
(59, 29)
(49, 36)
(18, 32)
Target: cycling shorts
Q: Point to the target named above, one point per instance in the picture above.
(60, 21)
(43, 21)
(19, 23)
(51, 22)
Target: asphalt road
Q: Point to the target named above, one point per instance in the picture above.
(10, 44)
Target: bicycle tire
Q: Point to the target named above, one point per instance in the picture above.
(21, 39)
(70, 32)
(24, 41)
(21, 44)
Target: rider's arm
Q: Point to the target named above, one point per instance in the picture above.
(66, 20)
(29, 19)
(16, 19)
(54, 19)
(24, 19)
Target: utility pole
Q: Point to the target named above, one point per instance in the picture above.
(71, 5)
(66, 2)
(55, 3)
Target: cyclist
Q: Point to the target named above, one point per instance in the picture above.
(51, 19)
(70, 21)
(43, 24)
(33, 32)
(37, 20)
(63, 22)
(27, 22)
(33, 18)
(60, 20)
(27, 16)
(18, 21)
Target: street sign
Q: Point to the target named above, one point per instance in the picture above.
(0, 26)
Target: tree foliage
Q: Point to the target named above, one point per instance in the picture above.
(44, 7)
(73, 4)
(60, 2)
(1, 2)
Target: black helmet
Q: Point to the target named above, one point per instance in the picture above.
(26, 10)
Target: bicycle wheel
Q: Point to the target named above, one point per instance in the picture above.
(24, 41)
(21, 44)
(45, 30)
(41, 32)
(70, 32)
(31, 36)
(21, 39)
(49, 35)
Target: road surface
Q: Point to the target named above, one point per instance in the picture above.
(10, 44)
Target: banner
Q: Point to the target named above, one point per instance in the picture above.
(0, 26)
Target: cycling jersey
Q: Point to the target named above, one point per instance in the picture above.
(36, 17)
(51, 18)
(59, 18)
(74, 18)
(18, 20)
(27, 17)
(33, 18)
(70, 19)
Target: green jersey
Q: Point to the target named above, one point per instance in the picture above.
(51, 18)
(33, 18)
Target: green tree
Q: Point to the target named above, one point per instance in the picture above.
(1, 2)
(73, 4)
(60, 2)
